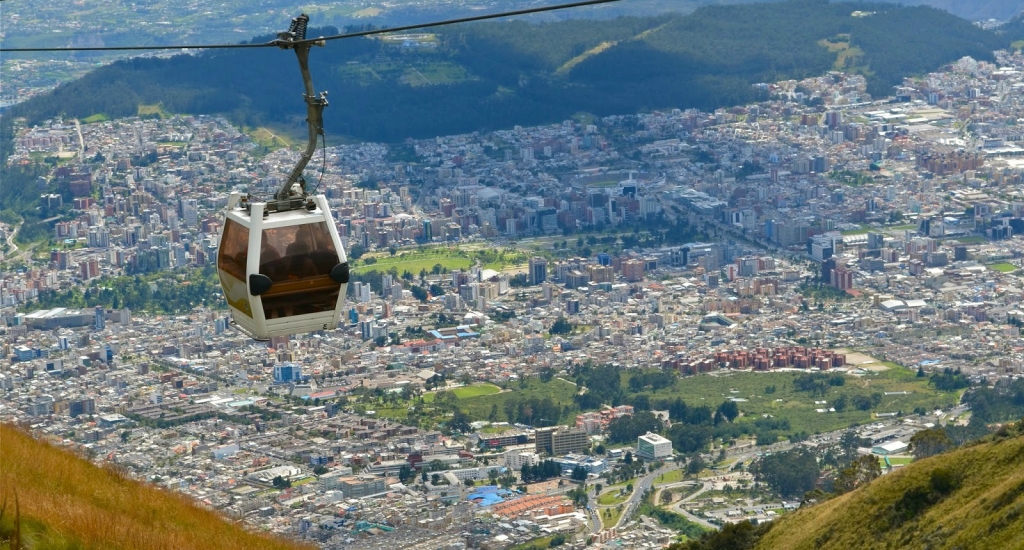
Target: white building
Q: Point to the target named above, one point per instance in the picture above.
(514, 460)
(653, 446)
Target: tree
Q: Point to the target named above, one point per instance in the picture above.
(696, 465)
(557, 540)
(281, 483)
(419, 293)
(435, 479)
(791, 473)
(459, 422)
(666, 497)
(861, 471)
(405, 474)
(629, 487)
(926, 443)
(469, 482)
(560, 326)
(125, 435)
(578, 473)
(320, 470)
(729, 410)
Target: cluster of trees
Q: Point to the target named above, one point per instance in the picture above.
(603, 384)
(534, 411)
(791, 473)
(817, 383)
(859, 402)
(561, 326)
(654, 380)
(931, 442)
(732, 536)
(861, 471)
(949, 380)
(1002, 402)
(540, 472)
(136, 293)
(627, 428)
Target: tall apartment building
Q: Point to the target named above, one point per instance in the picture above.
(562, 440)
(538, 270)
(633, 270)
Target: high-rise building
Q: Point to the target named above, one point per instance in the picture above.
(842, 278)
(538, 270)
(100, 318)
(633, 270)
(561, 440)
(428, 231)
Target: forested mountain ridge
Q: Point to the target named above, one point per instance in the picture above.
(493, 75)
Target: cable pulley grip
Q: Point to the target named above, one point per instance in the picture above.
(298, 27)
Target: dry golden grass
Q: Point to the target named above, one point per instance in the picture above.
(65, 502)
(986, 511)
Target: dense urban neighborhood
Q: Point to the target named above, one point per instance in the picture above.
(614, 331)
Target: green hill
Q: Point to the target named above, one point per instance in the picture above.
(52, 499)
(969, 498)
(493, 75)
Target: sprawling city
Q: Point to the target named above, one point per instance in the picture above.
(610, 331)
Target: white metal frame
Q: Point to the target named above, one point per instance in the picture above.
(258, 326)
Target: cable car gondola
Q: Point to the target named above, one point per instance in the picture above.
(282, 267)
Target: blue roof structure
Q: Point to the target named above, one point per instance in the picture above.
(489, 495)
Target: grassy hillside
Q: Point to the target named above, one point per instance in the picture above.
(492, 75)
(65, 502)
(969, 498)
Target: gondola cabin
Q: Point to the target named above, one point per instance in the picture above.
(282, 272)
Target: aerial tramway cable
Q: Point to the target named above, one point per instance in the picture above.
(372, 32)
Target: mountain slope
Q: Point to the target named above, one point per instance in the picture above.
(65, 502)
(494, 75)
(969, 498)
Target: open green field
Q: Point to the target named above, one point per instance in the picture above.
(863, 230)
(1003, 267)
(608, 521)
(98, 117)
(612, 497)
(896, 460)
(465, 392)
(560, 391)
(799, 407)
(669, 477)
(415, 261)
(268, 138)
(154, 109)
(477, 390)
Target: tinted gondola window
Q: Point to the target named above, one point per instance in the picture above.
(234, 247)
(298, 259)
(231, 259)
